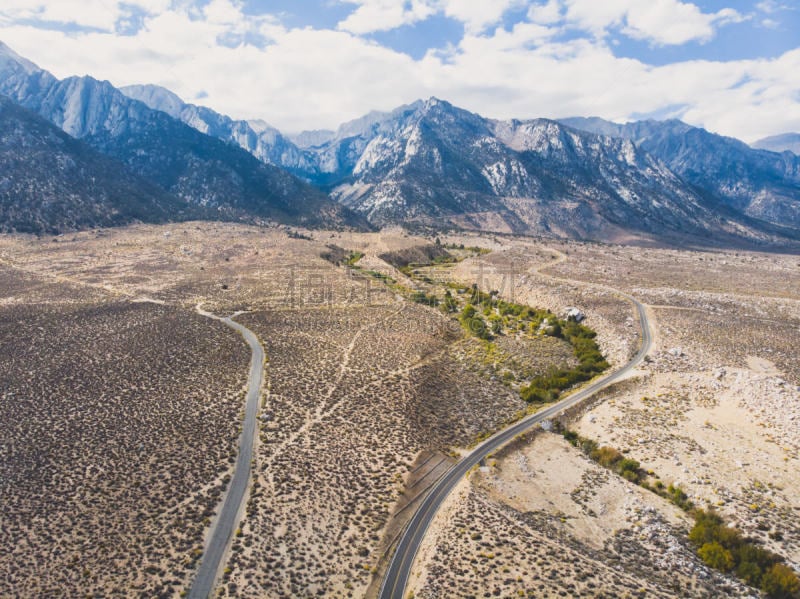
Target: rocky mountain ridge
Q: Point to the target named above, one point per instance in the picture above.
(431, 164)
(759, 183)
(202, 170)
(51, 182)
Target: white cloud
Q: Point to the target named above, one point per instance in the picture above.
(223, 12)
(546, 14)
(100, 14)
(96, 14)
(478, 15)
(765, 103)
(662, 22)
(384, 15)
(771, 6)
(669, 22)
(770, 9)
(521, 37)
(306, 78)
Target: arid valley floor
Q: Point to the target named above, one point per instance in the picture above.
(121, 407)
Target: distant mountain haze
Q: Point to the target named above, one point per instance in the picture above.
(786, 142)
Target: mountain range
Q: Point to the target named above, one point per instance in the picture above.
(785, 142)
(200, 170)
(759, 183)
(51, 182)
(388, 166)
(426, 164)
(257, 137)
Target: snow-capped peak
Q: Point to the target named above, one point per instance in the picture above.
(433, 101)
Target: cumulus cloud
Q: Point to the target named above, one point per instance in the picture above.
(383, 15)
(91, 14)
(546, 14)
(477, 16)
(661, 22)
(98, 14)
(305, 78)
(670, 22)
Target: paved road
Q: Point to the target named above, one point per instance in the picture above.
(223, 526)
(397, 575)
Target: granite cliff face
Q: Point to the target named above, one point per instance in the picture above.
(759, 183)
(431, 163)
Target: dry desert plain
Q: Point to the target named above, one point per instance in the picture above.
(121, 406)
(715, 410)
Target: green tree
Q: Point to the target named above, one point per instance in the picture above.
(606, 456)
(706, 526)
(750, 573)
(748, 552)
(780, 582)
(716, 556)
(478, 327)
(628, 465)
(449, 304)
(554, 330)
(679, 497)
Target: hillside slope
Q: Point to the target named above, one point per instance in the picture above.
(227, 181)
(51, 183)
(758, 183)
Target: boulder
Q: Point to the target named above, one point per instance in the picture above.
(574, 314)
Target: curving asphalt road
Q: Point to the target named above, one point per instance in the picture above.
(399, 570)
(223, 526)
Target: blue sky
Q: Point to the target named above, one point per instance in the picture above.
(731, 66)
(766, 32)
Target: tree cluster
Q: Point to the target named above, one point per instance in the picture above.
(724, 548)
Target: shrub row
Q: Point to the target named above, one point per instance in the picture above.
(591, 362)
(726, 549)
(720, 547)
(608, 457)
(485, 315)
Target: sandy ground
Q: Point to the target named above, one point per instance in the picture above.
(362, 389)
(719, 436)
(716, 410)
(543, 521)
